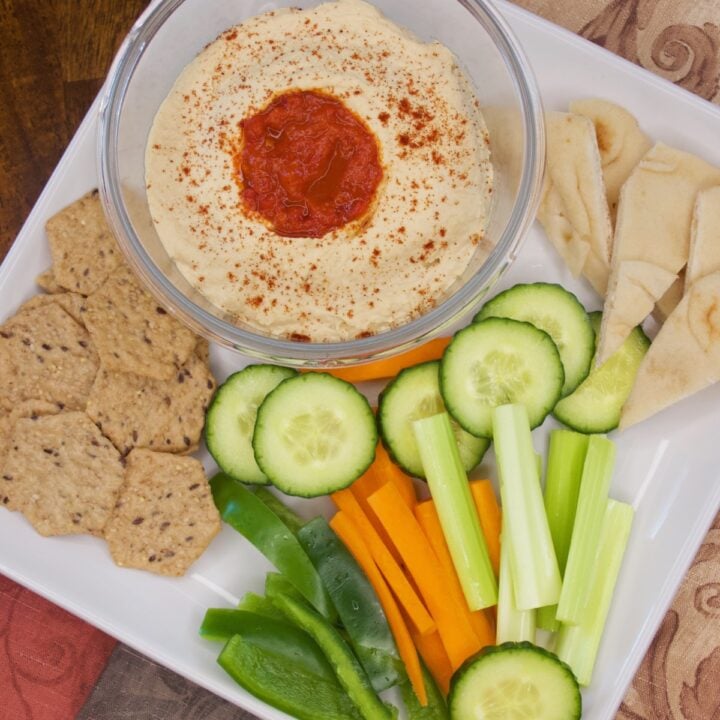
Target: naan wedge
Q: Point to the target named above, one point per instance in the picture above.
(684, 358)
(621, 142)
(671, 299)
(652, 238)
(574, 209)
(705, 238)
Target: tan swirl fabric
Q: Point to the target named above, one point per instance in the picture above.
(679, 678)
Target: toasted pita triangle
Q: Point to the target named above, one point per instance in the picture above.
(653, 227)
(705, 240)
(684, 358)
(574, 210)
(671, 299)
(621, 142)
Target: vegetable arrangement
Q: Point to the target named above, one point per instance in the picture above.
(439, 596)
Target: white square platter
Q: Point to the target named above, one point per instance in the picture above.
(668, 467)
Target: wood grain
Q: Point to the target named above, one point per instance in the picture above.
(54, 55)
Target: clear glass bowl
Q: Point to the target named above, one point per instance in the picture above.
(172, 32)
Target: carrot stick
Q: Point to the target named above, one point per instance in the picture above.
(455, 630)
(389, 367)
(427, 516)
(432, 651)
(391, 570)
(490, 518)
(351, 536)
(362, 489)
(389, 471)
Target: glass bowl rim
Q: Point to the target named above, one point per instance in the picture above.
(308, 354)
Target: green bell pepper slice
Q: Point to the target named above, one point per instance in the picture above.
(293, 521)
(275, 636)
(276, 583)
(436, 708)
(285, 683)
(251, 517)
(348, 669)
(260, 606)
(356, 602)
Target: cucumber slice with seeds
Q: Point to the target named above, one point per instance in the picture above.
(596, 404)
(231, 416)
(514, 680)
(558, 312)
(314, 434)
(412, 395)
(495, 362)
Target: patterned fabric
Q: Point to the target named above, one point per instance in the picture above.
(49, 660)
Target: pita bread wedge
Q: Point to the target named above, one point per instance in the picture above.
(621, 142)
(652, 237)
(574, 209)
(684, 358)
(705, 238)
(670, 300)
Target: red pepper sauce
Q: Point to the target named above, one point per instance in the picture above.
(307, 164)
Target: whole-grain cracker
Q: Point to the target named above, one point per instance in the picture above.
(83, 248)
(45, 355)
(165, 516)
(133, 333)
(46, 281)
(62, 474)
(164, 415)
(72, 303)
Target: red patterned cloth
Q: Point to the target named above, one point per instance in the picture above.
(49, 659)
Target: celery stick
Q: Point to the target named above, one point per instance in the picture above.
(449, 487)
(513, 625)
(566, 458)
(535, 572)
(592, 500)
(578, 645)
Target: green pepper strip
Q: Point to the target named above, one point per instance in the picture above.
(276, 636)
(249, 515)
(356, 602)
(285, 683)
(288, 516)
(348, 669)
(436, 708)
(260, 606)
(276, 583)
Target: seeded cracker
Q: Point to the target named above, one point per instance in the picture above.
(165, 415)
(83, 248)
(72, 303)
(46, 281)
(165, 516)
(132, 333)
(62, 474)
(45, 355)
(202, 350)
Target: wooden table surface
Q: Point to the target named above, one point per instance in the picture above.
(53, 57)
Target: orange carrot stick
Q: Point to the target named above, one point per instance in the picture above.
(389, 367)
(432, 651)
(352, 538)
(427, 516)
(391, 570)
(389, 471)
(362, 489)
(455, 630)
(490, 518)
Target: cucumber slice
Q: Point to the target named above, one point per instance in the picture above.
(412, 395)
(514, 680)
(558, 312)
(314, 434)
(230, 420)
(498, 361)
(596, 405)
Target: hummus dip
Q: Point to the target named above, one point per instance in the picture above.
(321, 175)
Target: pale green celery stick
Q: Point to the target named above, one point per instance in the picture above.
(594, 486)
(578, 645)
(450, 490)
(535, 572)
(513, 625)
(566, 457)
